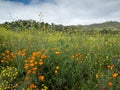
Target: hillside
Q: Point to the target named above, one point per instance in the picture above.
(106, 25)
(31, 24)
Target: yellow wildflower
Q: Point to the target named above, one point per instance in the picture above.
(57, 67)
(56, 71)
(96, 76)
(57, 53)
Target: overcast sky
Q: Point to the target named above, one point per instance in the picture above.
(66, 12)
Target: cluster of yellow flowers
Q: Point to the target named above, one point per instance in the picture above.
(8, 75)
(44, 87)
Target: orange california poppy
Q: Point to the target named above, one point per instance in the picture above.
(43, 56)
(32, 86)
(34, 69)
(32, 64)
(109, 83)
(41, 62)
(115, 75)
(41, 77)
(35, 62)
(26, 78)
(26, 66)
(29, 71)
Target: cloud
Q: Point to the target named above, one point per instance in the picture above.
(67, 12)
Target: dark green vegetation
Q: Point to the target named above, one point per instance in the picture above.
(41, 56)
(22, 25)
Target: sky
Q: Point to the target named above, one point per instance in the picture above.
(66, 12)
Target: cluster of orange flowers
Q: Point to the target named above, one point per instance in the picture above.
(111, 67)
(56, 52)
(32, 65)
(21, 53)
(7, 56)
(113, 75)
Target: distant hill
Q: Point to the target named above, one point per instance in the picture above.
(113, 25)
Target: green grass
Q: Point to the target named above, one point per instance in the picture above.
(86, 62)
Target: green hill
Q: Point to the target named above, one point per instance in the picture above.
(22, 25)
(106, 25)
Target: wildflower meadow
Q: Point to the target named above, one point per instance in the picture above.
(57, 60)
